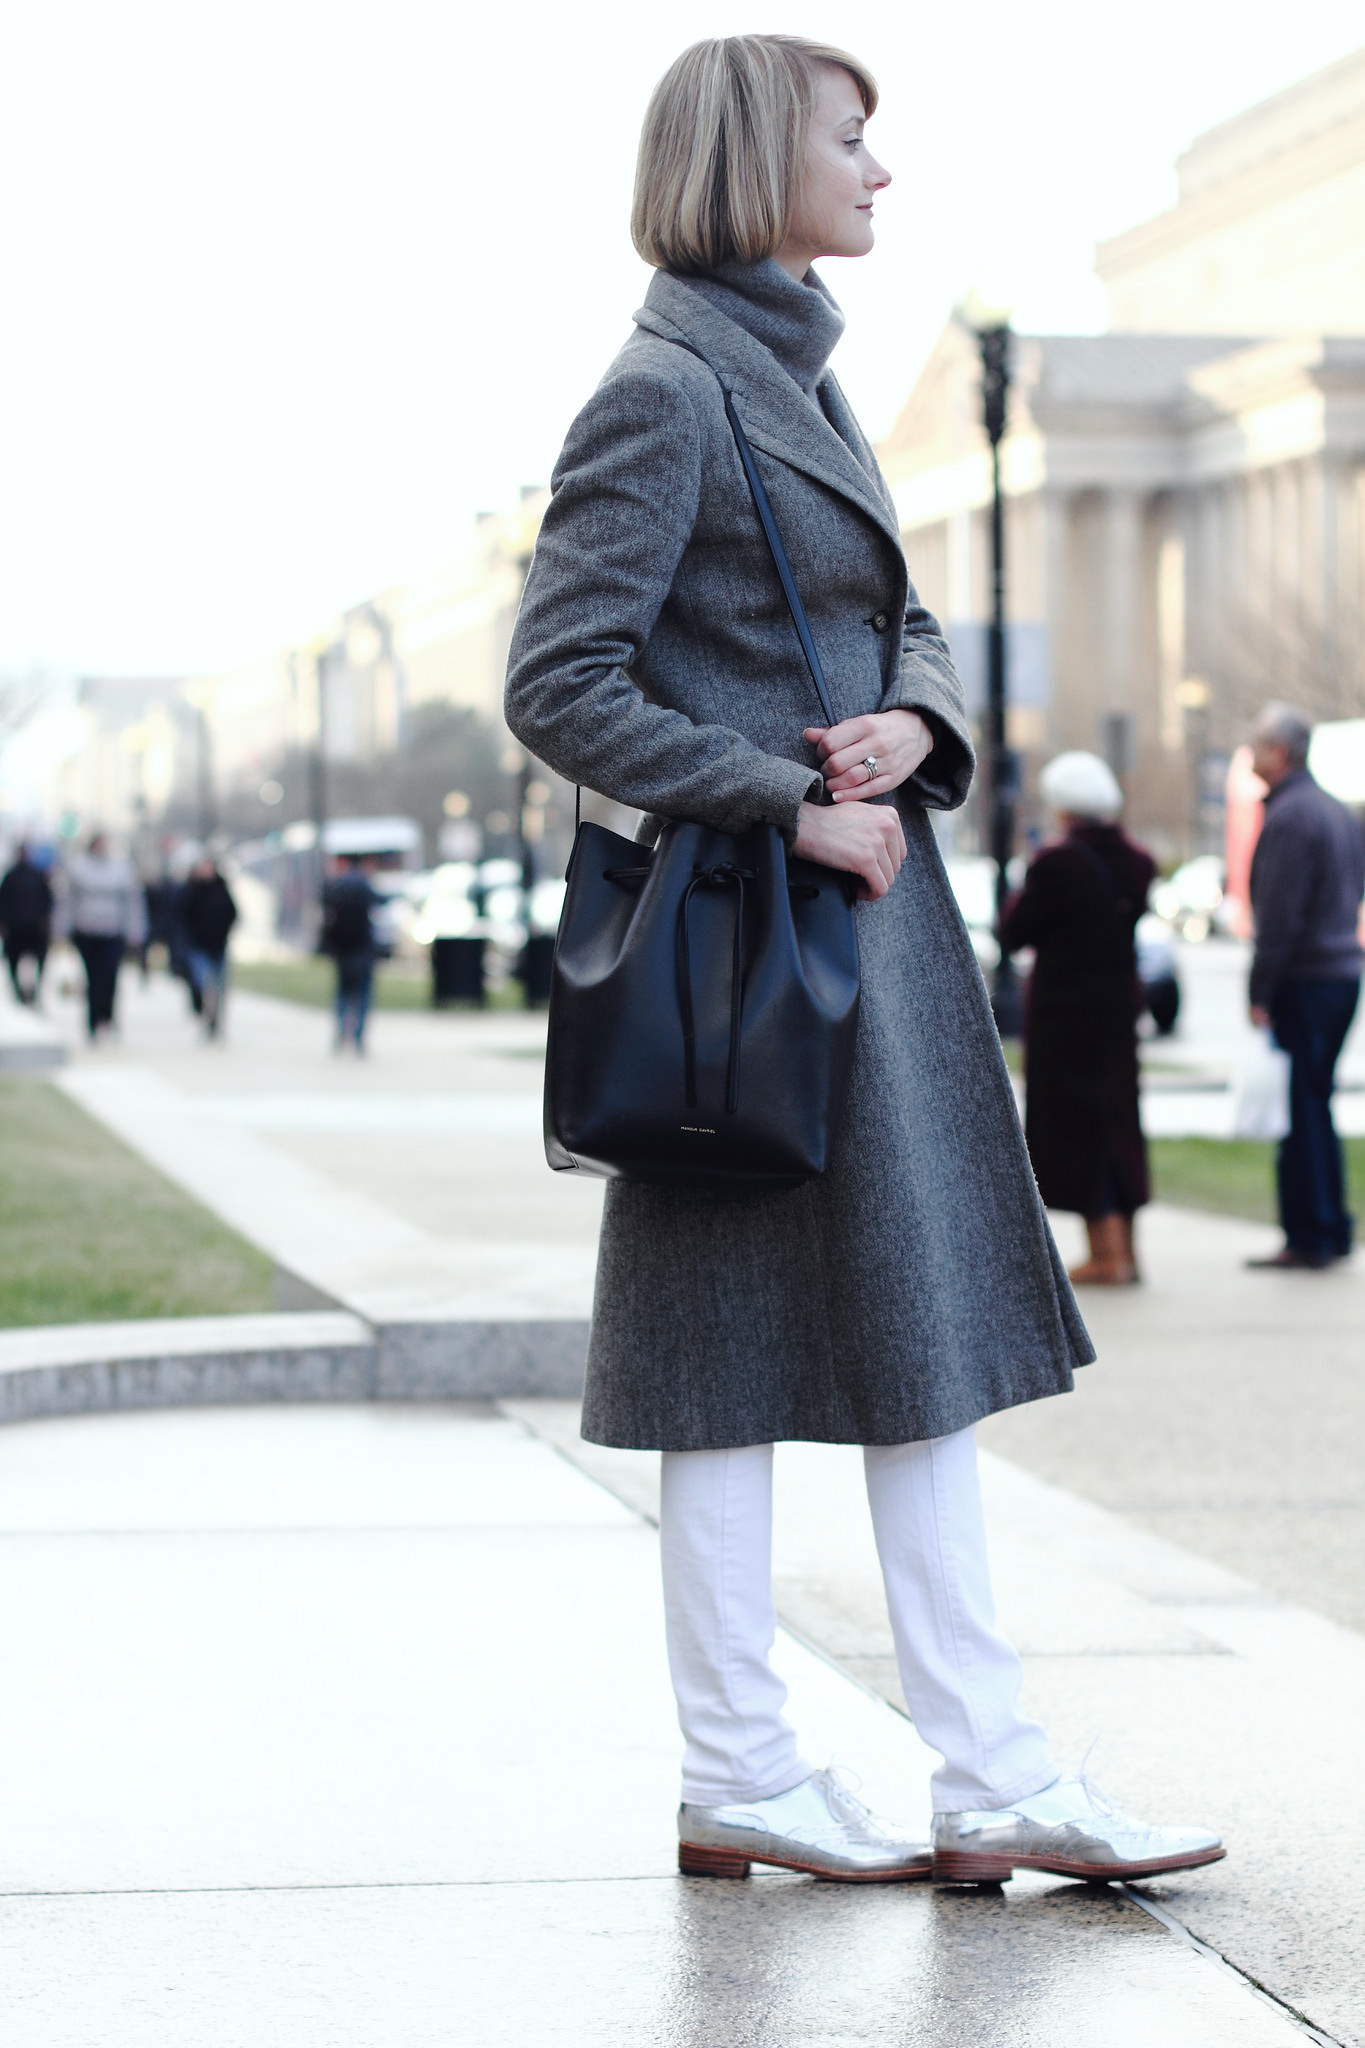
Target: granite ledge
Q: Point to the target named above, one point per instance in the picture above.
(89, 1368)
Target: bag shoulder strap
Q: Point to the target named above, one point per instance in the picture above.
(772, 535)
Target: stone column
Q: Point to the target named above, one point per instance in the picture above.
(1120, 650)
(1066, 689)
(1171, 577)
(1323, 608)
(1204, 523)
(1254, 649)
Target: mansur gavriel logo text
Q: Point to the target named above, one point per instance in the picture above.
(699, 1130)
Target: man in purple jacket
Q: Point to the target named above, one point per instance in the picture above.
(1307, 878)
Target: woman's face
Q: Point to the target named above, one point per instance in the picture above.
(834, 217)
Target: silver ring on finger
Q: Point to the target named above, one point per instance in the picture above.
(870, 763)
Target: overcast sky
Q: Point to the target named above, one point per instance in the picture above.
(291, 289)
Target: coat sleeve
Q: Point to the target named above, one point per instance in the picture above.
(1033, 913)
(624, 502)
(1285, 872)
(928, 683)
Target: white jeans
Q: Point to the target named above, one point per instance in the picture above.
(961, 1677)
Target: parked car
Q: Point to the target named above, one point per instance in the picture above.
(1192, 899)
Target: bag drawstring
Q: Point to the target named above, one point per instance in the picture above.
(720, 876)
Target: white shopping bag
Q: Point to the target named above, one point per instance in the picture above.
(1261, 1108)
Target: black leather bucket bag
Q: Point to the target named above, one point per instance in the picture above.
(704, 998)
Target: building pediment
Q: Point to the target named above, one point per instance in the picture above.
(1086, 412)
(1268, 233)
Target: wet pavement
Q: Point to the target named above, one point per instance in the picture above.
(350, 1728)
(288, 1660)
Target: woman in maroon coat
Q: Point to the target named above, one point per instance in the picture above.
(1081, 900)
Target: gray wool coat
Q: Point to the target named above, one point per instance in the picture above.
(914, 1287)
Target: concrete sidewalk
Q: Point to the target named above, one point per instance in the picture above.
(1199, 1691)
(350, 1728)
(1228, 1412)
(1227, 1409)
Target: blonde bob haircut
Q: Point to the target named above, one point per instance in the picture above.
(723, 149)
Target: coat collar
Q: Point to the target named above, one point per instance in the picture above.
(777, 415)
(799, 323)
(1295, 779)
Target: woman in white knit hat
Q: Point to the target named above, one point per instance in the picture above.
(1078, 908)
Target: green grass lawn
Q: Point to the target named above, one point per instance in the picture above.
(90, 1233)
(398, 985)
(1236, 1177)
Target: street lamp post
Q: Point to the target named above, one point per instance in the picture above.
(992, 332)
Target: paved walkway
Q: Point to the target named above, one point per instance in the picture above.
(350, 1728)
(475, 1704)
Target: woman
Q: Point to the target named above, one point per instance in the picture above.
(1078, 909)
(914, 1286)
(104, 912)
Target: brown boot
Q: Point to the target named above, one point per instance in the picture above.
(1130, 1248)
(1111, 1258)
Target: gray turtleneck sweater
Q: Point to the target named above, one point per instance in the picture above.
(799, 323)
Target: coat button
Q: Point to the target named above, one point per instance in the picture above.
(879, 622)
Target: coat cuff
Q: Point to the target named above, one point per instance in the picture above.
(775, 799)
(797, 785)
(943, 779)
(1263, 981)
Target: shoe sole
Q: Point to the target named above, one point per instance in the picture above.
(957, 1866)
(696, 1861)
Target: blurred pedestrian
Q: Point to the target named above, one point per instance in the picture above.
(26, 922)
(165, 927)
(1078, 909)
(207, 915)
(1307, 877)
(105, 911)
(349, 901)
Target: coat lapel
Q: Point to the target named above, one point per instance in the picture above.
(777, 415)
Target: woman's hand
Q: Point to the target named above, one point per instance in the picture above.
(896, 740)
(869, 843)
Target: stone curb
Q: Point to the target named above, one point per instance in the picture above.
(29, 1045)
(431, 1361)
(192, 1361)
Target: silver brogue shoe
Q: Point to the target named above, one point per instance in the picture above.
(818, 1826)
(1070, 1829)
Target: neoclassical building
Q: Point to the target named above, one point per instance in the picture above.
(1185, 513)
(1185, 497)
(1266, 235)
